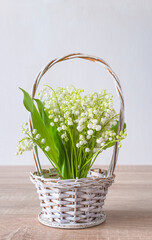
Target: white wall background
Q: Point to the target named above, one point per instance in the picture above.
(32, 32)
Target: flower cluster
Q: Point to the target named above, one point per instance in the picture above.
(71, 129)
(30, 140)
(25, 144)
(89, 118)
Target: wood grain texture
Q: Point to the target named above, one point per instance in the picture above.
(128, 208)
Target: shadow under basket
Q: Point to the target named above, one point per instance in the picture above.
(73, 203)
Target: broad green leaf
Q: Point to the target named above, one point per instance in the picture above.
(43, 114)
(60, 159)
(39, 105)
(27, 101)
(41, 128)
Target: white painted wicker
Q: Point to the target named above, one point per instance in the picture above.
(72, 203)
(76, 203)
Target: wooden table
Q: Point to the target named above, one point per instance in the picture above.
(128, 208)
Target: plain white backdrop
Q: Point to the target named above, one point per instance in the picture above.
(34, 32)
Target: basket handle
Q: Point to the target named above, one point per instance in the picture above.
(118, 89)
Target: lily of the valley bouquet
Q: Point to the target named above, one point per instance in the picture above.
(71, 130)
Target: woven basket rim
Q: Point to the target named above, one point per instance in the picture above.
(97, 177)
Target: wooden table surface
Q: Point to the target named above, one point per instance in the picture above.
(128, 208)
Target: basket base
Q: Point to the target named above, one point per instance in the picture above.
(45, 221)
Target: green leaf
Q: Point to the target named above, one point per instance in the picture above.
(27, 101)
(58, 150)
(41, 122)
(39, 105)
(41, 128)
(56, 141)
(44, 115)
(115, 127)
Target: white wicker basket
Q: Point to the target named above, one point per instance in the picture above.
(76, 203)
(72, 203)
